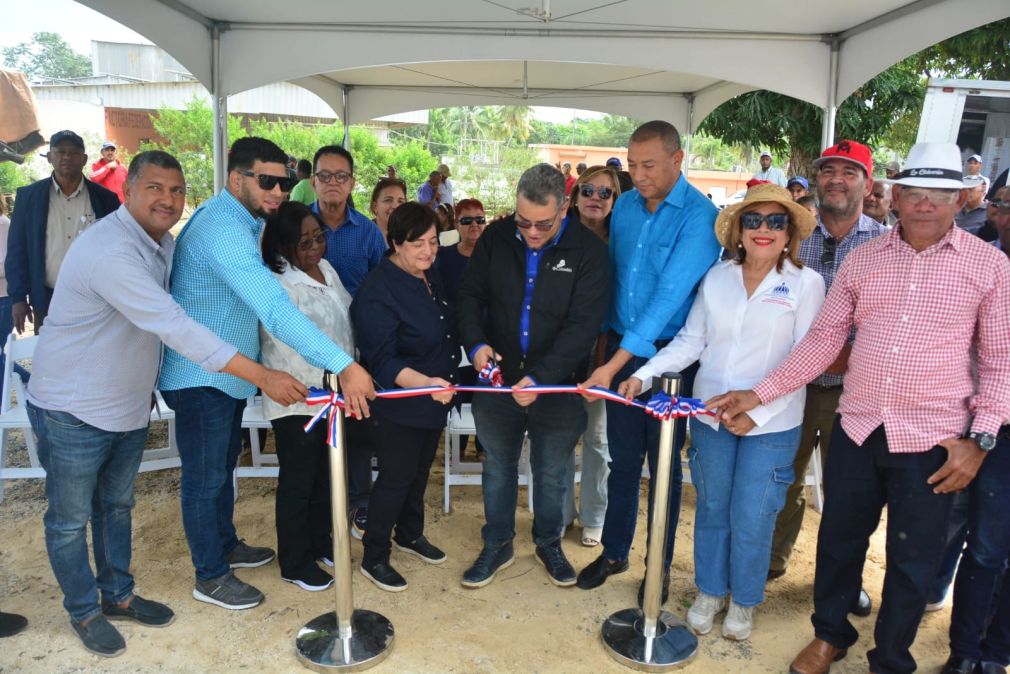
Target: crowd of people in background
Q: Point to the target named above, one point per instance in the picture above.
(860, 317)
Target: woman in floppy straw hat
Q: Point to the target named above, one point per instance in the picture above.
(749, 312)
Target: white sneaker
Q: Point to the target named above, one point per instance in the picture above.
(940, 605)
(702, 613)
(739, 622)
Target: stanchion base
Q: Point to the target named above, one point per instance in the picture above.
(673, 646)
(320, 647)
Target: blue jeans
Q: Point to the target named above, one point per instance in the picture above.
(741, 484)
(89, 475)
(985, 554)
(554, 424)
(632, 436)
(208, 430)
(595, 457)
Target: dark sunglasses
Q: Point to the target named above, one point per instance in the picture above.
(473, 220)
(588, 191)
(317, 240)
(268, 182)
(340, 176)
(828, 251)
(777, 222)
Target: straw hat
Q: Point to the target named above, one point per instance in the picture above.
(803, 221)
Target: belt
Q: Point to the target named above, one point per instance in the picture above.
(836, 387)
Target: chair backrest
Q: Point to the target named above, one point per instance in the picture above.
(16, 349)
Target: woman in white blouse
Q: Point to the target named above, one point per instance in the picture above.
(294, 247)
(750, 311)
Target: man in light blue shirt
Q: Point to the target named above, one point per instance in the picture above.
(220, 280)
(661, 244)
(769, 172)
(95, 368)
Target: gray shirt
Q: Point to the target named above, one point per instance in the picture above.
(100, 348)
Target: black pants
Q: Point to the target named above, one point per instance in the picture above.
(303, 517)
(359, 454)
(397, 500)
(859, 480)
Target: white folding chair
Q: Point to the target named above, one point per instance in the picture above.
(14, 413)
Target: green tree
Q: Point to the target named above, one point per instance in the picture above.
(47, 55)
(980, 53)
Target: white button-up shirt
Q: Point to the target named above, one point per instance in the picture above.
(740, 339)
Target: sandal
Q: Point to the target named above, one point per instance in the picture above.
(591, 536)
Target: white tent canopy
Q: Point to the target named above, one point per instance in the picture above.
(663, 59)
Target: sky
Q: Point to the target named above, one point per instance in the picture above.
(79, 25)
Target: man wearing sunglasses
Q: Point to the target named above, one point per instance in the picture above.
(661, 244)
(219, 279)
(532, 299)
(926, 392)
(844, 187)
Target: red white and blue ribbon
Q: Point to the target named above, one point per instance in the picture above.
(661, 406)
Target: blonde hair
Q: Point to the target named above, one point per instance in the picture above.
(591, 173)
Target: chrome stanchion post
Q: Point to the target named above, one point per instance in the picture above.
(651, 639)
(345, 639)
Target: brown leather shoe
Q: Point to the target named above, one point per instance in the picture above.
(816, 658)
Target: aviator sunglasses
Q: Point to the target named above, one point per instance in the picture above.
(777, 222)
(588, 191)
(268, 182)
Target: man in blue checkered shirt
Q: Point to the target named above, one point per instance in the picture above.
(219, 279)
(844, 178)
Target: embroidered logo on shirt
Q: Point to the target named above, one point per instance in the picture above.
(781, 289)
(560, 266)
(780, 294)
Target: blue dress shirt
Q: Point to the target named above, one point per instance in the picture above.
(220, 280)
(353, 249)
(659, 259)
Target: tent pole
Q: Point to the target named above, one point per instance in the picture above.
(685, 167)
(828, 131)
(345, 116)
(219, 104)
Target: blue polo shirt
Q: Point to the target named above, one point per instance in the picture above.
(354, 249)
(659, 259)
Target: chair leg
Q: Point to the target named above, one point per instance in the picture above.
(815, 464)
(446, 477)
(3, 460)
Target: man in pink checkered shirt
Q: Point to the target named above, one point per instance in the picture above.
(913, 425)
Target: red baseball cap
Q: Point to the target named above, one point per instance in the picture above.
(851, 151)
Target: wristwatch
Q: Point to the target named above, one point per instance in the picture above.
(985, 441)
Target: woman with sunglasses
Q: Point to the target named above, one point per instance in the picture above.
(386, 196)
(750, 311)
(406, 333)
(592, 200)
(294, 247)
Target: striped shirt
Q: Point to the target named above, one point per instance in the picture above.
(918, 316)
(220, 280)
(812, 255)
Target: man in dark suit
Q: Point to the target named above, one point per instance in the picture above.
(48, 215)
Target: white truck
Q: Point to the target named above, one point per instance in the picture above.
(975, 114)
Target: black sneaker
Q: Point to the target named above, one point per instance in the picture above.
(359, 520)
(384, 576)
(245, 556)
(597, 573)
(143, 611)
(423, 549)
(311, 579)
(553, 558)
(489, 562)
(228, 592)
(666, 589)
(864, 605)
(11, 624)
(775, 574)
(100, 637)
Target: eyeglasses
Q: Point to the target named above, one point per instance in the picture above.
(829, 245)
(1003, 205)
(340, 176)
(588, 191)
(777, 222)
(937, 197)
(307, 244)
(268, 182)
(473, 220)
(543, 226)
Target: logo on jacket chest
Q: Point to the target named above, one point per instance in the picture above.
(561, 266)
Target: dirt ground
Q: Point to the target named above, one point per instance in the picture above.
(519, 623)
